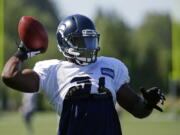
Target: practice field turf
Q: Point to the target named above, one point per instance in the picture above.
(156, 124)
(46, 124)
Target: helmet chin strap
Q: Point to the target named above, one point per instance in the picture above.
(74, 57)
(84, 61)
(81, 63)
(77, 62)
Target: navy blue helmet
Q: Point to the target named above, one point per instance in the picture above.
(78, 39)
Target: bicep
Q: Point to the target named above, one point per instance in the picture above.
(25, 80)
(31, 80)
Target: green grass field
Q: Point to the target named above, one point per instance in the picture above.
(46, 124)
(156, 124)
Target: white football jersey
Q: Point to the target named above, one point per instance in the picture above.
(57, 77)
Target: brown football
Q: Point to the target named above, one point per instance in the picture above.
(33, 34)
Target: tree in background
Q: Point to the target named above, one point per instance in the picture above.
(152, 47)
(43, 11)
(115, 35)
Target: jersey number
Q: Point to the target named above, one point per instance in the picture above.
(87, 83)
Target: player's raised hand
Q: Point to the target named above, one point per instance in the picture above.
(153, 96)
(33, 36)
(24, 53)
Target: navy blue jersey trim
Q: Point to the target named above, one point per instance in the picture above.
(107, 71)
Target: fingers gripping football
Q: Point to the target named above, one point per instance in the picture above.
(152, 97)
(24, 53)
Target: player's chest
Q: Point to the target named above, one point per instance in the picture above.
(92, 75)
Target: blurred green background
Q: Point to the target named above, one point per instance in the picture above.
(150, 51)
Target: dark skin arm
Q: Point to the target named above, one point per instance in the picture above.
(131, 102)
(24, 80)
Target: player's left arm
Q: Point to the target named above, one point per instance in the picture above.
(136, 105)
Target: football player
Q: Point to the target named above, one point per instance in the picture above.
(28, 108)
(84, 88)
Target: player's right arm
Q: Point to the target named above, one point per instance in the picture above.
(24, 80)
